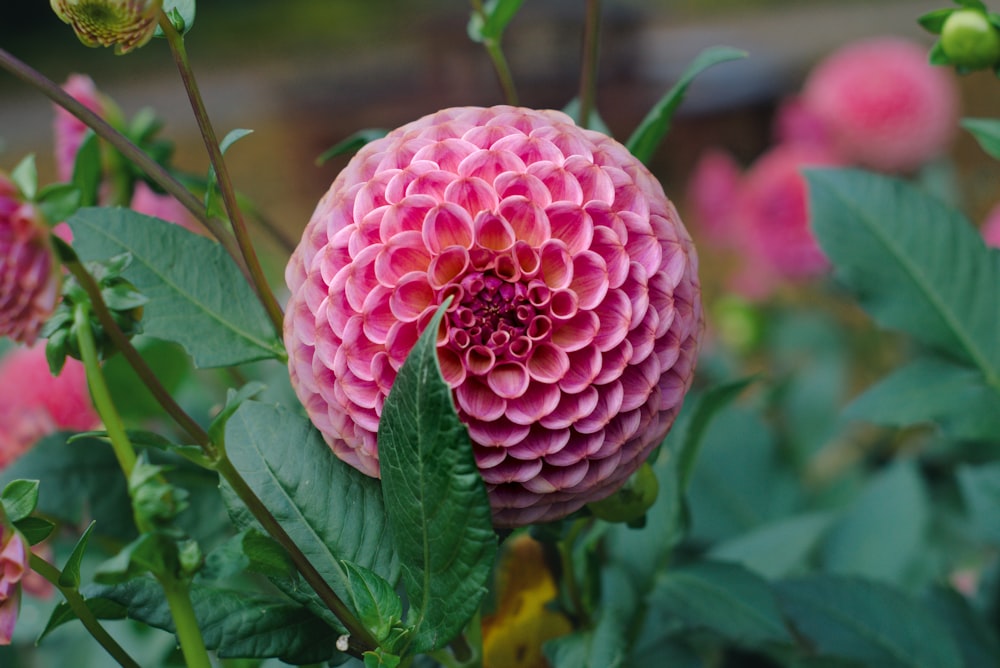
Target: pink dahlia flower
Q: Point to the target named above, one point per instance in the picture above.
(68, 129)
(572, 335)
(883, 104)
(991, 227)
(773, 208)
(33, 403)
(29, 280)
(14, 556)
(712, 193)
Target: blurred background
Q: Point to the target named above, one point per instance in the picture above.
(304, 74)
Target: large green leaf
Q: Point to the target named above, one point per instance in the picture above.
(197, 296)
(655, 125)
(981, 491)
(725, 598)
(867, 622)
(932, 389)
(435, 498)
(331, 510)
(987, 133)
(234, 623)
(978, 643)
(913, 263)
(884, 530)
(776, 549)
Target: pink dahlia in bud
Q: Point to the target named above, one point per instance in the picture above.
(34, 403)
(14, 557)
(576, 313)
(883, 105)
(774, 211)
(68, 129)
(29, 280)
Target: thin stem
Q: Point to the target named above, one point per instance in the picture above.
(132, 356)
(588, 72)
(176, 42)
(361, 640)
(79, 606)
(186, 626)
(120, 442)
(500, 66)
(105, 131)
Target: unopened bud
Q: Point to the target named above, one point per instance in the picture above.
(123, 24)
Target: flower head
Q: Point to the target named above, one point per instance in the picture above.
(883, 105)
(14, 556)
(70, 130)
(123, 24)
(29, 280)
(576, 314)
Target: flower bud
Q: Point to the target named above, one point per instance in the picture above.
(970, 40)
(29, 280)
(123, 24)
(14, 556)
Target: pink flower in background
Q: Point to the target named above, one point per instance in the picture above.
(796, 123)
(883, 105)
(34, 404)
(991, 227)
(29, 280)
(773, 209)
(712, 192)
(14, 556)
(576, 315)
(164, 207)
(68, 129)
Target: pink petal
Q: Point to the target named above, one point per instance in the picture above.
(479, 401)
(590, 279)
(508, 380)
(547, 363)
(527, 219)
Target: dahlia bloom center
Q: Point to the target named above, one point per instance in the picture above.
(574, 315)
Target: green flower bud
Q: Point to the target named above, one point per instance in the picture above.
(630, 503)
(123, 24)
(970, 40)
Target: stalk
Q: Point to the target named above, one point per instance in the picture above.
(588, 71)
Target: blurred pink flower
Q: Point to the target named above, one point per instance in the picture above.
(29, 280)
(991, 227)
(572, 337)
(34, 404)
(712, 192)
(68, 129)
(883, 104)
(13, 567)
(774, 216)
(795, 123)
(164, 207)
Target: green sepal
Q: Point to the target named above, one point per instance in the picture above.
(153, 499)
(25, 177)
(58, 201)
(181, 14)
(35, 529)
(19, 498)
(70, 576)
(933, 22)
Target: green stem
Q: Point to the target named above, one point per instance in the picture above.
(588, 72)
(79, 607)
(569, 572)
(176, 42)
(132, 356)
(500, 66)
(361, 640)
(120, 442)
(186, 626)
(105, 131)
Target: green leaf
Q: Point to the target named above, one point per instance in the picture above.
(867, 622)
(379, 659)
(181, 13)
(25, 177)
(595, 122)
(251, 551)
(606, 644)
(376, 602)
(776, 549)
(725, 598)
(934, 21)
(932, 389)
(70, 576)
(978, 643)
(980, 487)
(331, 510)
(19, 498)
(438, 509)
(706, 405)
(58, 201)
(913, 263)
(644, 141)
(197, 296)
(131, 397)
(496, 15)
(87, 169)
(987, 133)
(352, 144)
(234, 623)
(885, 528)
(234, 399)
(150, 552)
(35, 529)
(62, 613)
(213, 199)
